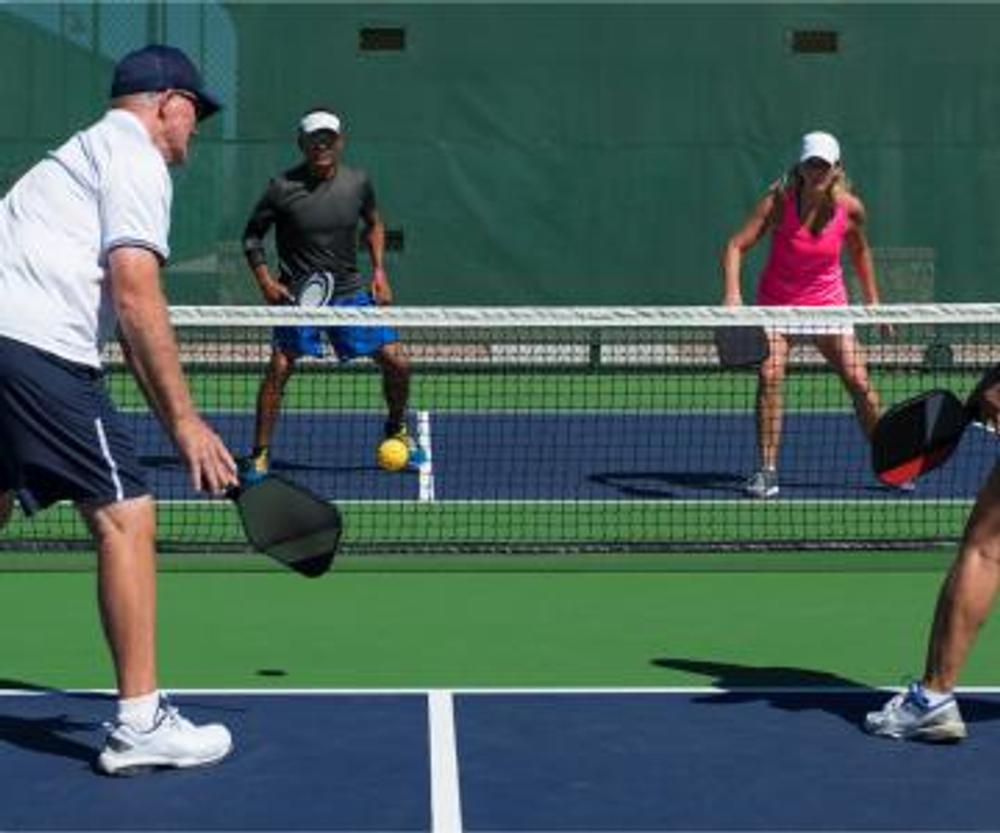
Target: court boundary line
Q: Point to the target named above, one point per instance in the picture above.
(452, 692)
(446, 795)
(426, 471)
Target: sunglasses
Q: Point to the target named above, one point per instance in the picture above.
(195, 101)
(320, 138)
(814, 163)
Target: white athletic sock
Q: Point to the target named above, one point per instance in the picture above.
(139, 712)
(934, 698)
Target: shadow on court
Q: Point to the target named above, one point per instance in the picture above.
(53, 733)
(731, 676)
(721, 484)
(7, 684)
(49, 734)
(840, 696)
(665, 484)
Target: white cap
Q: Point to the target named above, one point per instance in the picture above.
(819, 145)
(319, 120)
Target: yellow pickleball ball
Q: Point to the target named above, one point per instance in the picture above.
(393, 454)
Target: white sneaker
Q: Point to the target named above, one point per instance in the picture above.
(762, 484)
(172, 742)
(910, 716)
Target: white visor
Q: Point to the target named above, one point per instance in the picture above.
(319, 120)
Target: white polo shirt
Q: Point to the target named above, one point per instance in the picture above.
(108, 186)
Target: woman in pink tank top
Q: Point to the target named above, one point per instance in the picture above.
(810, 214)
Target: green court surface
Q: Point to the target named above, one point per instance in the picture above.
(358, 388)
(231, 620)
(768, 619)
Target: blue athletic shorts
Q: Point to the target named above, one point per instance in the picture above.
(60, 435)
(347, 342)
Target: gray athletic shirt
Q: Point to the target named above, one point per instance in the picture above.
(316, 224)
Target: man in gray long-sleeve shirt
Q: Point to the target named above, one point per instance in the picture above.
(315, 209)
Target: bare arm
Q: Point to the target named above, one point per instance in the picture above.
(988, 406)
(144, 324)
(755, 227)
(273, 290)
(140, 378)
(860, 251)
(261, 219)
(375, 241)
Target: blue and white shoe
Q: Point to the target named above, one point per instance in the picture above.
(910, 716)
(418, 456)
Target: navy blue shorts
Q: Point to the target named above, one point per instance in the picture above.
(60, 435)
(347, 342)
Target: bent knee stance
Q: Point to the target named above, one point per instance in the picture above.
(857, 383)
(771, 375)
(125, 521)
(281, 368)
(394, 361)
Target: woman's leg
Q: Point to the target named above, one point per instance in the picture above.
(770, 378)
(847, 358)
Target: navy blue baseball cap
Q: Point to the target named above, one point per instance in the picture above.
(157, 67)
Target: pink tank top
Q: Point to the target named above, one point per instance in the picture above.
(803, 269)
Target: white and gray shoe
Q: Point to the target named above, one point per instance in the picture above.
(763, 484)
(910, 716)
(173, 741)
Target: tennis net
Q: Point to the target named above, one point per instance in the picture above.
(568, 430)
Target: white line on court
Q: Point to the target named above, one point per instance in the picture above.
(398, 692)
(427, 469)
(446, 800)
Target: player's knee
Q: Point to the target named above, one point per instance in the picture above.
(124, 521)
(281, 367)
(402, 365)
(857, 384)
(981, 546)
(771, 375)
(395, 361)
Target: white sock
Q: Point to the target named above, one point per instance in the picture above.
(139, 712)
(934, 698)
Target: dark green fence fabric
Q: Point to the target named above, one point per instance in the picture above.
(556, 153)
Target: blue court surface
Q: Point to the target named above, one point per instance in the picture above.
(574, 456)
(691, 759)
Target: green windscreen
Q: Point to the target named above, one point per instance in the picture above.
(554, 153)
